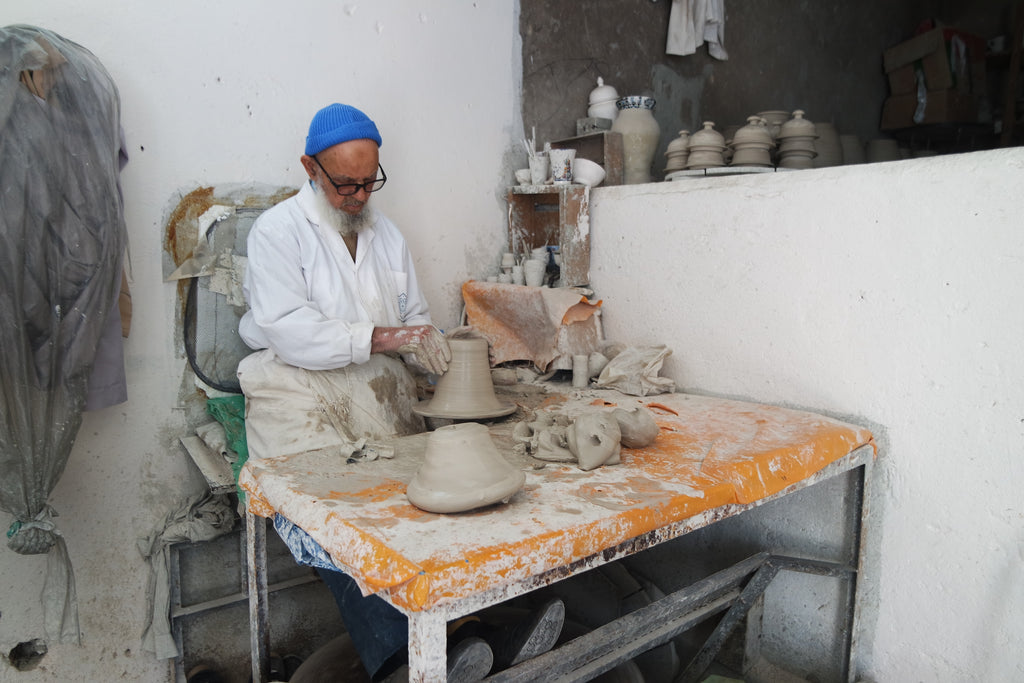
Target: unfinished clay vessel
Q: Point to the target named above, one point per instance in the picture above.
(752, 144)
(796, 146)
(677, 152)
(706, 148)
(636, 425)
(462, 470)
(594, 438)
(466, 390)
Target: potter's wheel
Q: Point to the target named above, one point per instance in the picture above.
(423, 408)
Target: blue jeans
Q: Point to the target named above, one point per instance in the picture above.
(377, 629)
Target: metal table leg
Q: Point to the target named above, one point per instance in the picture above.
(259, 628)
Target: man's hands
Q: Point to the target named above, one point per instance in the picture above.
(424, 343)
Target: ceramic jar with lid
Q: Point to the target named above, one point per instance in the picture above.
(677, 152)
(640, 136)
(752, 144)
(796, 142)
(706, 148)
(798, 126)
(602, 101)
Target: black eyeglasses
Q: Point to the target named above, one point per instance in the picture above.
(349, 189)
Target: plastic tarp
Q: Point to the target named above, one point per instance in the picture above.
(62, 236)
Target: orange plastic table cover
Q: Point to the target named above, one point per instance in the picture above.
(709, 452)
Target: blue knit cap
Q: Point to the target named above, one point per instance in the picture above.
(339, 123)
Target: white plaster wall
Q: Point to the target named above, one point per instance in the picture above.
(886, 294)
(221, 93)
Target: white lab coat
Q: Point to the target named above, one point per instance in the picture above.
(309, 302)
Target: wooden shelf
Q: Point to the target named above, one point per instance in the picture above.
(542, 215)
(604, 148)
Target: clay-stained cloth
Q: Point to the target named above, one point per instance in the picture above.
(540, 324)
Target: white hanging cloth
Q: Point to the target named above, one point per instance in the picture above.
(692, 23)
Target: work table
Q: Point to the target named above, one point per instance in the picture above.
(712, 458)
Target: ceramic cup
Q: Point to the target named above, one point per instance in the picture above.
(538, 169)
(533, 272)
(561, 164)
(524, 176)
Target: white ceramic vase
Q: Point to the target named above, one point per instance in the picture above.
(640, 136)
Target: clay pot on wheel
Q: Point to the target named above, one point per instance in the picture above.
(466, 390)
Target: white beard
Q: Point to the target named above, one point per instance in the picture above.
(345, 223)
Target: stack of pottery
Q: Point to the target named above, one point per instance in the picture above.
(602, 101)
(828, 148)
(677, 152)
(752, 144)
(796, 142)
(640, 137)
(706, 148)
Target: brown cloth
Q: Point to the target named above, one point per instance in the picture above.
(544, 325)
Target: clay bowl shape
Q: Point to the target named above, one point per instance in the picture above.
(462, 470)
(587, 172)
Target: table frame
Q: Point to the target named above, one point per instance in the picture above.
(732, 590)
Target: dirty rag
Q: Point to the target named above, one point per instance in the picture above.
(691, 23)
(202, 517)
(634, 371)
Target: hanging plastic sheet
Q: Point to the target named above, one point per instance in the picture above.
(62, 235)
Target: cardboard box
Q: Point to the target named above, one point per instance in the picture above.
(940, 106)
(948, 58)
(903, 79)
